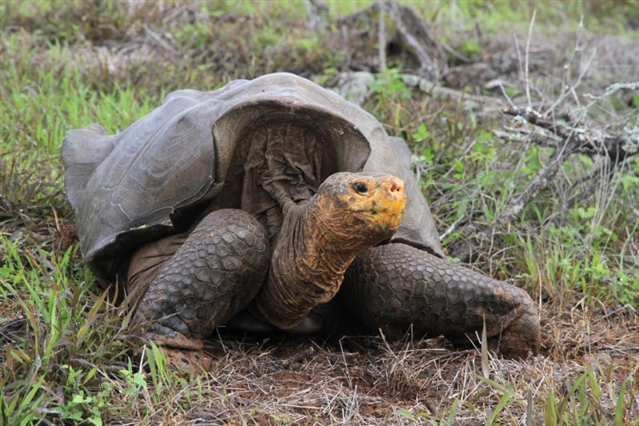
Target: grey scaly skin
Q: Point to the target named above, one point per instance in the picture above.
(396, 286)
(213, 275)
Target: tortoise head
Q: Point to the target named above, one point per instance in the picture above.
(363, 204)
(350, 213)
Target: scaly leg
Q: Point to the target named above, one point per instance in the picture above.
(395, 286)
(212, 276)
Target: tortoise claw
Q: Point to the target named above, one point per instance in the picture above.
(182, 354)
(187, 361)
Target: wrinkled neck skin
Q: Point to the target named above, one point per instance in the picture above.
(331, 242)
(317, 243)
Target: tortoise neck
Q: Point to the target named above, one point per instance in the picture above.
(330, 241)
(316, 245)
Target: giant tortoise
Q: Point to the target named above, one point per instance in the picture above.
(274, 204)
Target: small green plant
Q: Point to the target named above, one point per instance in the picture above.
(470, 48)
(582, 403)
(279, 419)
(390, 84)
(83, 408)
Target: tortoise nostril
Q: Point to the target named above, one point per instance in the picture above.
(396, 187)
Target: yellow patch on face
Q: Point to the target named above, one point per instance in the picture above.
(383, 197)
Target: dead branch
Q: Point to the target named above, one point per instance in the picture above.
(317, 14)
(572, 140)
(486, 105)
(397, 30)
(512, 134)
(604, 171)
(382, 39)
(411, 28)
(617, 147)
(565, 140)
(516, 204)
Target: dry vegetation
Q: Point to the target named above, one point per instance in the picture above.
(65, 352)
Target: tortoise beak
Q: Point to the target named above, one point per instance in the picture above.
(389, 202)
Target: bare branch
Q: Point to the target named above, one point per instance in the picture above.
(518, 135)
(526, 65)
(381, 48)
(317, 14)
(427, 66)
(616, 147)
(516, 204)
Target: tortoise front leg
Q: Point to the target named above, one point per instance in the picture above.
(212, 276)
(395, 286)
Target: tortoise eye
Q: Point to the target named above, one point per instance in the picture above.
(360, 188)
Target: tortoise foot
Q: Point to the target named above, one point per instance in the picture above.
(182, 354)
(187, 361)
(395, 287)
(523, 333)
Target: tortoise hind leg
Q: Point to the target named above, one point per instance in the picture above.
(213, 275)
(396, 286)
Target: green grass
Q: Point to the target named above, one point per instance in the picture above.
(67, 352)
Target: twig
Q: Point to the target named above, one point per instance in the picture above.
(159, 40)
(408, 30)
(614, 88)
(518, 135)
(539, 181)
(486, 104)
(616, 147)
(452, 228)
(572, 141)
(607, 170)
(526, 65)
(316, 14)
(381, 48)
(582, 73)
(564, 149)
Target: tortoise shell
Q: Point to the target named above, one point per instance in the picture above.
(202, 151)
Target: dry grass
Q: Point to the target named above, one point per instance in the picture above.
(365, 380)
